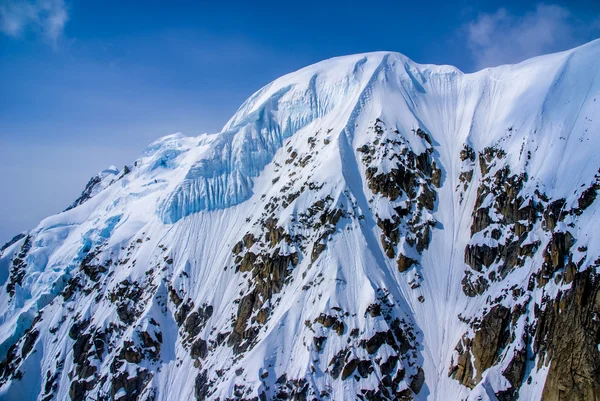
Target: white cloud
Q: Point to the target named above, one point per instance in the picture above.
(47, 17)
(502, 38)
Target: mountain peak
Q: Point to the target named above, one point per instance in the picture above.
(366, 227)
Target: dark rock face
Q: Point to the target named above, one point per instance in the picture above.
(337, 363)
(467, 156)
(17, 270)
(413, 181)
(269, 271)
(490, 338)
(405, 263)
(514, 218)
(482, 351)
(89, 344)
(514, 373)
(567, 338)
(87, 192)
(134, 386)
(331, 322)
(558, 331)
(126, 297)
(556, 256)
(93, 186)
(12, 241)
(393, 369)
(201, 386)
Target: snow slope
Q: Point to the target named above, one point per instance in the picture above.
(323, 233)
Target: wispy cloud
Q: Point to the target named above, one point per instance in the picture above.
(46, 17)
(502, 37)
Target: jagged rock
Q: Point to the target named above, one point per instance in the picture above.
(349, 368)
(133, 385)
(514, 373)
(30, 340)
(331, 322)
(489, 338)
(475, 287)
(566, 339)
(427, 197)
(130, 353)
(17, 270)
(404, 263)
(12, 241)
(199, 349)
(79, 389)
(587, 198)
(337, 363)
(319, 343)
(463, 370)
(467, 153)
(554, 213)
(150, 345)
(417, 381)
(481, 220)
(202, 386)
(374, 310)
(478, 354)
(377, 340)
(388, 366)
(318, 248)
(87, 192)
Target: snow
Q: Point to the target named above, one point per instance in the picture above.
(197, 196)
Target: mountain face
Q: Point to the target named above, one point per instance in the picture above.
(366, 228)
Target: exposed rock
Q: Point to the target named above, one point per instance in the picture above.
(417, 381)
(514, 373)
(12, 241)
(566, 339)
(133, 385)
(337, 363)
(484, 348)
(199, 349)
(331, 322)
(415, 177)
(404, 263)
(319, 343)
(349, 368)
(17, 269)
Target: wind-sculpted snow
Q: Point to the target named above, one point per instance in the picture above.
(224, 176)
(365, 228)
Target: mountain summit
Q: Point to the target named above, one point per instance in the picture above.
(366, 228)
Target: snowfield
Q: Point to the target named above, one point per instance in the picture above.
(364, 228)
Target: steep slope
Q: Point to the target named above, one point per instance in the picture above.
(364, 228)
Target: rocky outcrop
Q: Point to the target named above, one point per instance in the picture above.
(558, 330)
(271, 252)
(477, 354)
(17, 270)
(398, 369)
(566, 340)
(409, 186)
(270, 270)
(500, 243)
(87, 192)
(14, 240)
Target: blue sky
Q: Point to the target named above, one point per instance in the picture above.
(84, 85)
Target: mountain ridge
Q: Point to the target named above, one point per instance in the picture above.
(359, 229)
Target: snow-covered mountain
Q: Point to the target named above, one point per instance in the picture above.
(365, 228)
